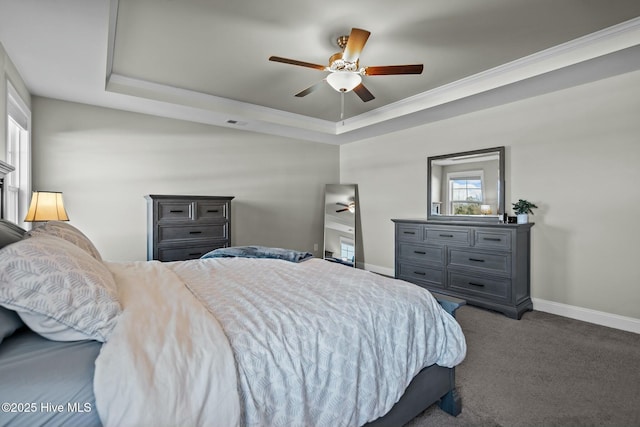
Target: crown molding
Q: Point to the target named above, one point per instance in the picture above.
(606, 41)
(111, 38)
(220, 109)
(167, 101)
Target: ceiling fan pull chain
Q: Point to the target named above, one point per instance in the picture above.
(341, 105)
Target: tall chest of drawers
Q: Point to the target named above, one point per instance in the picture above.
(486, 264)
(186, 227)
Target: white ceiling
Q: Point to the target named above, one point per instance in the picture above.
(207, 60)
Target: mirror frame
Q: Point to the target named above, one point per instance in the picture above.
(501, 187)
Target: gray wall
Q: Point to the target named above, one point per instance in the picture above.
(575, 153)
(105, 161)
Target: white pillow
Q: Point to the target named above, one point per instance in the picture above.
(58, 289)
(68, 232)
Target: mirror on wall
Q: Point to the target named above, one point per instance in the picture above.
(340, 207)
(466, 186)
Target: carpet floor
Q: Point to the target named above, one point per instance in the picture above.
(543, 370)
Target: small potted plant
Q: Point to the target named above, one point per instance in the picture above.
(522, 209)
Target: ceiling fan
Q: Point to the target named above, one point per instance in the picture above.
(344, 69)
(351, 207)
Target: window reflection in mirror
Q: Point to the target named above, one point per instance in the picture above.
(466, 185)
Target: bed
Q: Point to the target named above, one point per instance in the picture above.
(250, 341)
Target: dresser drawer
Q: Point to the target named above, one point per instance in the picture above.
(191, 232)
(191, 252)
(171, 211)
(489, 288)
(494, 263)
(420, 274)
(484, 262)
(186, 227)
(493, 239)
(448, 236)
(420, 253)
(410, 233)
(212, 210)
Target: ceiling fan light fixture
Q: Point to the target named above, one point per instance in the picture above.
(344, 81)
(345, 74)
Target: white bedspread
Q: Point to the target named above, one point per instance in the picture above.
(167, 362)
(314, 344)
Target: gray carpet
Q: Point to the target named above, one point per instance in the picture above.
(543, 370)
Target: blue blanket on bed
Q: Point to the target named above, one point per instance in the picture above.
(259, 252)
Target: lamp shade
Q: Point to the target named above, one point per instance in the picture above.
(344, 81)
(46, 206)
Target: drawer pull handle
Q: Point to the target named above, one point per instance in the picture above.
(493, 239)
(420, 273)
(476, 260)
(212, 210)
(176, 211)
(446, 235)
(420, 252)
(480, 285)
(409, 232)
(195, 232)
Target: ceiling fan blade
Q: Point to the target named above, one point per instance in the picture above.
(386, 70)
(355, 44)
(295, 62)
(342, 210)
(310, 89)
(363, 93)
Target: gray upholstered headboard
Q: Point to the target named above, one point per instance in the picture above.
(9, 233)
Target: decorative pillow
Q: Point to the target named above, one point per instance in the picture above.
(9, 323)
(59, 290)
(9, 233)
(67, 232)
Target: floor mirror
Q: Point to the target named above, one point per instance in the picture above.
(340, 211)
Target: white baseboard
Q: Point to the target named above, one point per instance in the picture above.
(587, 315)
(602, 318)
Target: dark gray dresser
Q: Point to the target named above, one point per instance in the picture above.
(186, 227)
(486, 264)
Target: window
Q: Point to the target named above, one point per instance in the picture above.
(466, 193)
(18, 182)
(347, 250)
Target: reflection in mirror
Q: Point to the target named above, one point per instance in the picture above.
(466, 186)
(340, 223)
